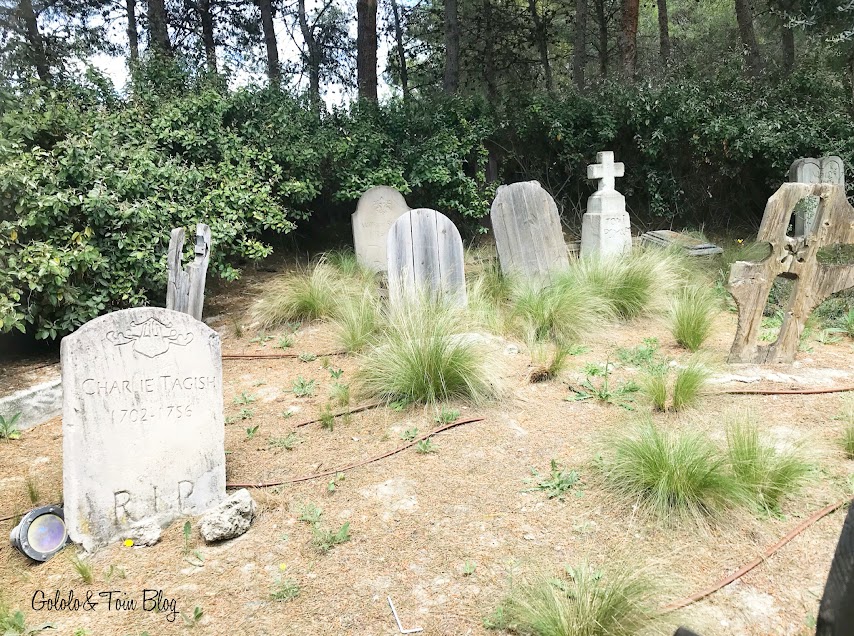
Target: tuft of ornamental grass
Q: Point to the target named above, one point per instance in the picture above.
(690, 381)
(766, 473)
(653, 384)
(356, 320)
(310, 295)
(847, 441)
(560, 312)
(548, 363)
(691, 314)
(670, 474)
(422, 354)
(587, 602)
(489, 292)
(634, 284)
(346, 263)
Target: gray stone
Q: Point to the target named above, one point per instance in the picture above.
(605, 227)
(142, 425)
(829, 169)
(229, 519)
(375, 213)
(36, 404)
(425, 258)
(146, 532)
(690, 245)
(527, 230)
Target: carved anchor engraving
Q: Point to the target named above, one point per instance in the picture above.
(794, 258)
(150, 338)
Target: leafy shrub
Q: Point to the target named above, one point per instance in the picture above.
(587, 602)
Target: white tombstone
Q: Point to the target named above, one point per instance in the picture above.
(527, 231)
(425, 258)
(809, 170)
(605, 227)
(377, 209)
(142, 422)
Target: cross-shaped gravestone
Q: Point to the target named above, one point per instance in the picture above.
(605, 228)
(796, 259)
(606, 170)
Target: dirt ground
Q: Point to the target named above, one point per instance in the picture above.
(420, 523)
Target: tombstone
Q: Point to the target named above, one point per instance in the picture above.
(793, 258)
(142, 423)
(690, 245)
(605, 227)
(377, 209)
(185, 288)
(425, 258)
(527, 231)
(825, 170)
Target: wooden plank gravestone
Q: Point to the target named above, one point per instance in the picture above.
(527, 231)
(605, 226)
(425, 258)
(809, 170)
(794, 258)
(377, 209)
(142, 423)
(185, 289)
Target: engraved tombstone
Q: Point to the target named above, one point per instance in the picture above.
(810, 170)
(425, 258)
(527, 231)
(605, 227)
(142, 424)
(377, 209)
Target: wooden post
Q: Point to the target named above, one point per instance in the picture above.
(185, 290)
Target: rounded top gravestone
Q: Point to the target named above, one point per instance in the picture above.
(377, 209)
(142, 423)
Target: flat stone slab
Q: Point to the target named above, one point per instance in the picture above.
(142, 426)
(36, 404)
(691, 245)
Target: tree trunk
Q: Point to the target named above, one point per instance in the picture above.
(133, 34)
(748, 36)
(401, 50)
(366, 48)
(313, 57)
(541, 37)
(274, 73)
(603, 38)
(788, 37)
(579, 53)
(35, 42)
(208, 38)
(663, 31)
(629, 37)
(451, 80)
(489, 57)
(157, 27)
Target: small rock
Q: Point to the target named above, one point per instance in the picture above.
(144, 533)
(511, 350)
(229, 519)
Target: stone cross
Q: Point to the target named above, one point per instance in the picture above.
(185, 288)
(793, 258)
(606, 170)
(142, 423)
(425, 258)
(527, 229)
(605, 227)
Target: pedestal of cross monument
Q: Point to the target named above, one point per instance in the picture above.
(605, 228)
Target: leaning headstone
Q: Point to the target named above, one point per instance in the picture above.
(142, 422)
(425, 258)
(185, 287)
(377, 209)
(605, 227)
(809, 170)
(690, 245)
(527, 231)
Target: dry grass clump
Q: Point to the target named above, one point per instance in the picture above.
(692, 313)
(312, 294)
(587, 602)
(689, 381)
(357, 320)
(766, 473)
(423, 354)
(670, 474)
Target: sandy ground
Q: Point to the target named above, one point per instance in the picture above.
(416, 520)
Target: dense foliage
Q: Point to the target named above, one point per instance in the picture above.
(91, 183)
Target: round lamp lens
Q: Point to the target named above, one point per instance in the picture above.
(47, 533)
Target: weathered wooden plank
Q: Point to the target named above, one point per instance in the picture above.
(177, 282)
(185, 289)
